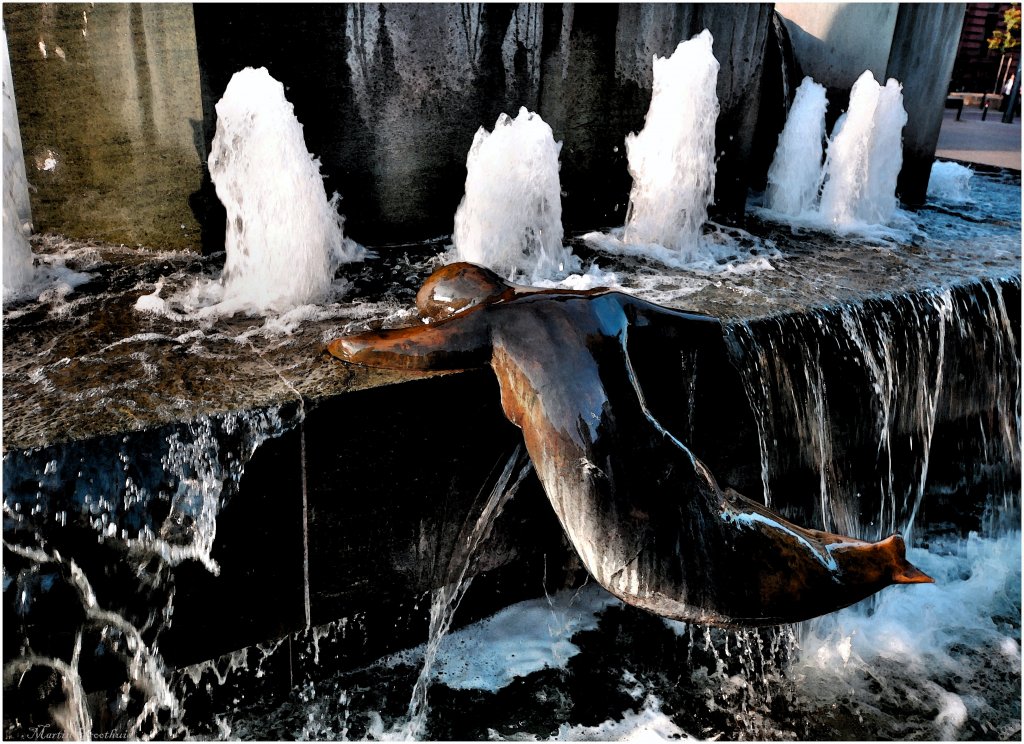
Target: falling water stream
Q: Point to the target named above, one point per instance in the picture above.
(447, 598)
(118, 498)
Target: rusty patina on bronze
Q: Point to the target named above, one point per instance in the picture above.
(646, 516)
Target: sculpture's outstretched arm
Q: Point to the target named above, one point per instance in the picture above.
(460, 342)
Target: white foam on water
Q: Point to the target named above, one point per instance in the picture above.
(591, 278)
(950, 182)
(725, 251)
(510, 218)
(50, 281)
(284, 238)
(940, 648)
(196, 303)
(521, 639)
(795, 173)
(900, 229)
(672, 159)
(647, 724)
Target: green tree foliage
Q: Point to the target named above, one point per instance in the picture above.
(1004, 40)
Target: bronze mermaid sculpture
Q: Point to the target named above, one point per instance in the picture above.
(646, 517)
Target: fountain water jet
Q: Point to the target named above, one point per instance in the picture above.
(856, 186)
(950, 182)
(284, 237)
(672, 159)
(510, 218)
(18, 270)
(795, 173)
(865, 156)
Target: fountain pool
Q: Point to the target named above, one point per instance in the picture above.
(808, 315)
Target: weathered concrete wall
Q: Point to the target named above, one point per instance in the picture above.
(923, 51)
(389, 96)
(108, 103)
(836, 42)
(401, 89)
(116, 102)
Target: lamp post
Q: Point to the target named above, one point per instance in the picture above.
(1014, 95)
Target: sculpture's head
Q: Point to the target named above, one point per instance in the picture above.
(881, 563)
(459, 286)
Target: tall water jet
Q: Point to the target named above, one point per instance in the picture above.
(672, 159)
(510, 218)
(284, 237)
(18, 270)
(795, 173)
(865, 156)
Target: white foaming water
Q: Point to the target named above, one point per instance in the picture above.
(510, 218)
(650, 723)
(284, 238)
(940, 648)
(17, 266)
(795, 173)
(865, 156)
(950, 182)
(725, 251)
(519, 640)
(672, 160)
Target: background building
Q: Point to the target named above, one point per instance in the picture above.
(977, 68)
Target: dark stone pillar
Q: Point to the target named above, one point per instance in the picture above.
(741, 33)
(923, 49)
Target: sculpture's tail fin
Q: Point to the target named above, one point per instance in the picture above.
(903, 571)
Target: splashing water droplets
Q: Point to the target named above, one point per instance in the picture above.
(950, 182)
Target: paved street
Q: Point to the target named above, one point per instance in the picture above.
(972, 140)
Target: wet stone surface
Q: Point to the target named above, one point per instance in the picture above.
(88, 363)
(85, 362)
